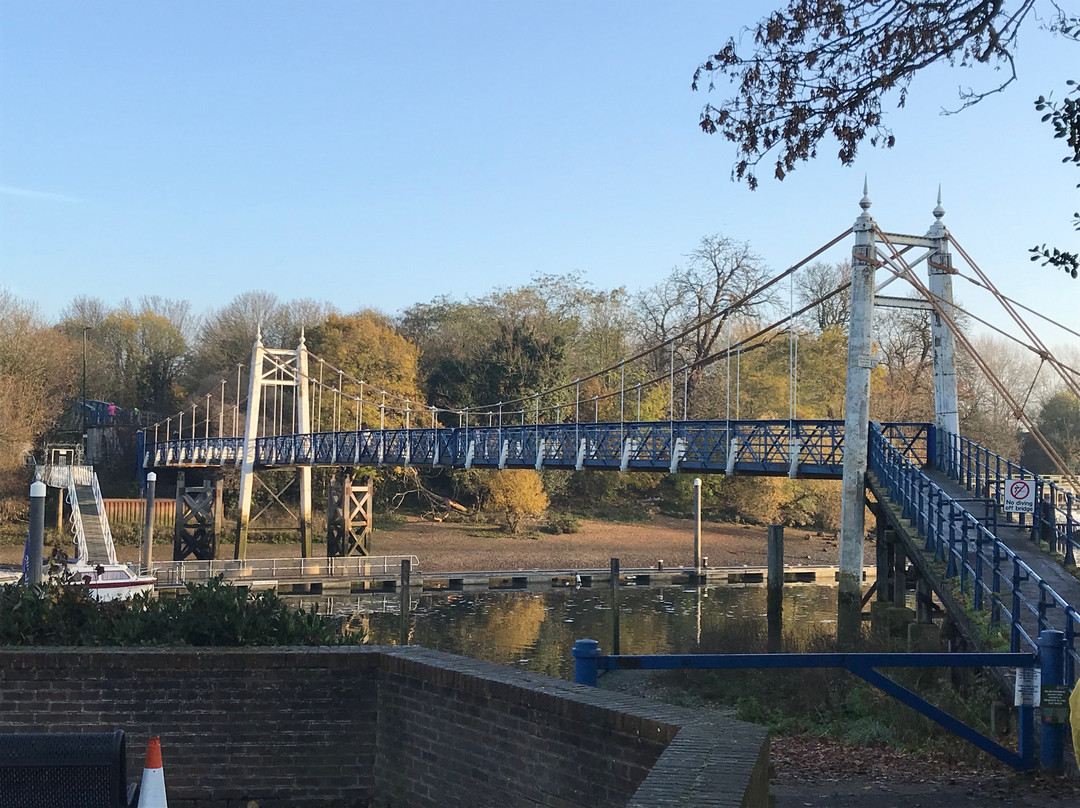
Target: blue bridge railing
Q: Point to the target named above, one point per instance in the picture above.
(808, 448)
(1056, 519)
(589, 662)
(993, 575)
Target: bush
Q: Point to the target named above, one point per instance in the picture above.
(515, 494)
(559, 523)
(215, 613)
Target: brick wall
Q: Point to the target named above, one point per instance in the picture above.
(367, 726)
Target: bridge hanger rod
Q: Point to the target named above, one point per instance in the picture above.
(1018, 411)
(697, 323)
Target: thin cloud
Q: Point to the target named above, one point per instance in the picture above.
(27, 193)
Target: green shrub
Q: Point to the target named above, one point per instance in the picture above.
(211, 614)
(562, 523)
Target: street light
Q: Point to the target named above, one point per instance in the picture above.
(84, 402)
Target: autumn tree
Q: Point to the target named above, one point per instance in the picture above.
(820, 69)
(37, 376)
(710, 290)
(366, 347)
(516, 494)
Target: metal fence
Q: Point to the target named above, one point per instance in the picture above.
(988, 571)
(177, 573)
(1056, 519)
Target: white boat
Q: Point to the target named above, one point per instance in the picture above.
(112, 581)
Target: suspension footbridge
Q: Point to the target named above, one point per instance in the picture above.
(937, 497)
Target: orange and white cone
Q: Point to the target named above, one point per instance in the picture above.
(152, 787)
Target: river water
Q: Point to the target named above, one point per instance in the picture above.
(535, 629)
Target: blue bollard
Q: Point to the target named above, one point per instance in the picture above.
(1052, 663)
(586, 668)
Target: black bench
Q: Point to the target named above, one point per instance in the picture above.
(63, 770)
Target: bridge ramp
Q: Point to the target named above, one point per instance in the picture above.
(1018, 539)
(95, 526)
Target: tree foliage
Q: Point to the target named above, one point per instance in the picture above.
(365, 346)
(516, 494)
(37, 377)
(823, 68)
(1059, 423)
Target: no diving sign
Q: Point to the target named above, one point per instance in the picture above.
(1019, 496)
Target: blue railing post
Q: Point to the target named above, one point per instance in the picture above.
(932, 448)
(1052, 663)
(1014, 617)
(586, 662)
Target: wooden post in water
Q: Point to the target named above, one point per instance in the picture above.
(775, 587)
(697, 527)
(615, 606)
(406, 603)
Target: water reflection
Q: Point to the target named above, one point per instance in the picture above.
(535, 630)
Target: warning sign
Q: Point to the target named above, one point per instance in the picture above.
(1055, 704)
(1028, 687)
(1019, 496)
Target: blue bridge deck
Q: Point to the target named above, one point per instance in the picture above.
(806, 448)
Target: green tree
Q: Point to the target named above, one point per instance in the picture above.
(144, 358)
(514, 342)
(1059, 422)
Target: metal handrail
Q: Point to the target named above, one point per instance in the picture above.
(759, 446)
(176, 573)
(985, 472)
(985, 566)
(110, 548)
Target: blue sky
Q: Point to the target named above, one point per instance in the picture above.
(380, 154)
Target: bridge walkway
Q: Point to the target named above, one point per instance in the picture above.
(996, 583)
(1018, 538)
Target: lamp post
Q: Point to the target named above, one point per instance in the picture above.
(84, 403)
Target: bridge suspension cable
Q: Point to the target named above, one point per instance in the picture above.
(898, 265)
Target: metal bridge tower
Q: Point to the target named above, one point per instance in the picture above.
(285, 369)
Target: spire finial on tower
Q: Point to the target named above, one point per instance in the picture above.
(865, 203)
(937, 229)
(303, 341)
(258, 333)
(939, 211)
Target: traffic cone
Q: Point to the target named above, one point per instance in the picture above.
(152, 787)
